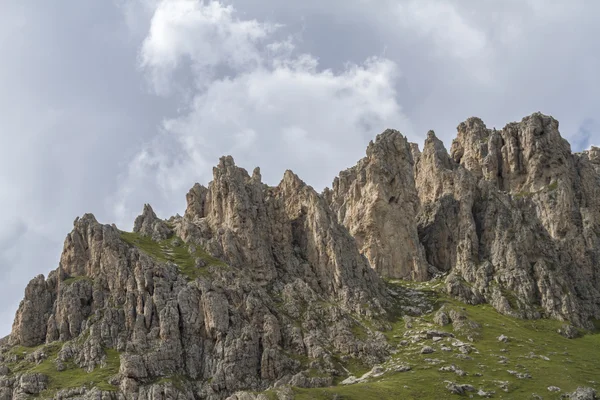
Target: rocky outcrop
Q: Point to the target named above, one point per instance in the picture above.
(148, 224)
(258, 286)
(276, 233)
(29, 327)
(288, 294)
(514, 217)
(511, 216)
(593, 156)
(377, 201)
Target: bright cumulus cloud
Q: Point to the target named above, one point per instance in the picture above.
(252, 95)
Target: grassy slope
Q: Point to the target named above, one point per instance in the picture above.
(572, 362)
(176, 251)
(72, 376)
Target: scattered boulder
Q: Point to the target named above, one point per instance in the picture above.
(402, 368)
(583, 393)
(351, 380)
(375, 372)
(441, 318)
(503, 339)
(456, 388)
(433, 334)
(463, 356)
(568, 331)
(33, 383)
(427, 350)
(453, 368)
(519, 375)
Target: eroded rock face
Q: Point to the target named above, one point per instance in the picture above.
(275, 232)
(377, 201)
(29, 327)
(148, 224)
(514, 216)
(291, 289)
(259, 286)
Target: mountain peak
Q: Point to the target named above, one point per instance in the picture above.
(261, 288)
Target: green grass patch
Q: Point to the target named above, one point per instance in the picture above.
(72, 376)
(524, 194)
(534, 347)
(176, 251)
(271, 395)
(178, 381)
(360, 332)
(71, 280)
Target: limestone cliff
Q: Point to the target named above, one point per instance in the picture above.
(253, 286)
(514, 217)
(377, 201)
(511, 216)
(258, 287)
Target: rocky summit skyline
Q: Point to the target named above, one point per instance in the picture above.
(421, 273)
(109, 105)
(270, 199)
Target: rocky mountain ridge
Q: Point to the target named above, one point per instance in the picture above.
(256, 287)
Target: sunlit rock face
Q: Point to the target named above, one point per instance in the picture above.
(377, 201)
(238, 294)
(258, 286)
(514, 217)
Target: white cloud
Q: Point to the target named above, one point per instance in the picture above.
(206, 34)
(278, 111)
(441, 20)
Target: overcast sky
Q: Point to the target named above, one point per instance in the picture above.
(108, 104)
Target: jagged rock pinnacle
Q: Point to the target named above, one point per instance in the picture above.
(148, 224)
(259, 287)
(377, 201)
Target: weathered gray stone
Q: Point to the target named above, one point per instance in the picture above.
(569, 331)
(377, 201)
(148, 224)
(583, 393)
(508, 217)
